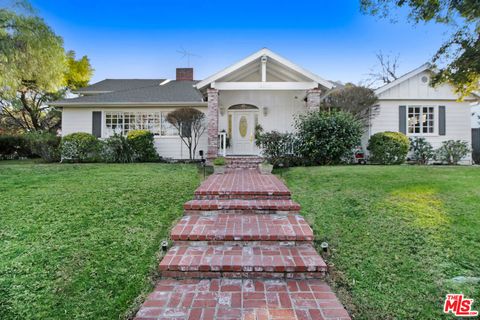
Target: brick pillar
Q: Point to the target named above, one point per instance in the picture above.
(313, 99)
(212, 130)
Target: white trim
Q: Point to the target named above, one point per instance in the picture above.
(435, 121)
(165, 82)
(264, 85)
(133, 104)
(411, 74)
(257, 55)
(403, 78)
(90, 91)
(264, 68)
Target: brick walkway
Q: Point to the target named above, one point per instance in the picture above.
(242, 251)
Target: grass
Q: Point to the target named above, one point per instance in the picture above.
(81, 241)
(398, 235)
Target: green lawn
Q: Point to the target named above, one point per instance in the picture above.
(398, 234)
(81, 241)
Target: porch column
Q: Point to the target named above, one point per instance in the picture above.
(313, 99)
(212, 115)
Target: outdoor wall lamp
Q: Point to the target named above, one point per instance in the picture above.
(265, 111)
(222, 111)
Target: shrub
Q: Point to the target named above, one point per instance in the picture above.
(12, 146)
(452, 151)
(80, 147)
(422, 150)
(220, 161)
(143, 147)
(45, 145)
(278, 148)
(388, 147)
(117, 149)
(327, 137)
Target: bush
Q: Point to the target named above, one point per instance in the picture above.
(80, 147)
(142, 144)
(452, 151)
(388, 147)
(278, 148)
(12, 146)
(220, 161)
(422, 150)
(117, 149)
(45, 145)
(327, 137)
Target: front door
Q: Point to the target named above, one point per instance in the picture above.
(243, 133)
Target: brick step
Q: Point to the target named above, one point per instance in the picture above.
(242, 196)
(273, 261)
(243, 162)
(242, 166)
(242, 184)
(244, 158)
(260, 206)
(244, 227)
(242, 299)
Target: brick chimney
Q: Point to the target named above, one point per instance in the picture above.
(184, 74)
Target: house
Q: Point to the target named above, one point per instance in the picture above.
(264, 88)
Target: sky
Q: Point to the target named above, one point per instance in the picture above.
(141, 38)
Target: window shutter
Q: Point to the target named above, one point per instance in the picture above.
(442, 129)
(402, 119)
(97, 124)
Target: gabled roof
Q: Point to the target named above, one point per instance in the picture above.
(109, 85)
(403, 78)
(258, 55)
(170, 93)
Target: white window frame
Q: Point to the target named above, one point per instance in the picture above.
(141, 125)
(435, 120)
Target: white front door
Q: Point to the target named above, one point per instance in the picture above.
(243, 132)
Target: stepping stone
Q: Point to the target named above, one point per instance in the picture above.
(244, 227)
(259, 206)
(242, 299)
(270, 261)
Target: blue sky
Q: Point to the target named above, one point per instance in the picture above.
(140, 38)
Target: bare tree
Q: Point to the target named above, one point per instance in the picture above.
(385, 72)
(191, 125)
(359, 101)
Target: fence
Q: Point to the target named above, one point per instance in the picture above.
(476, 145)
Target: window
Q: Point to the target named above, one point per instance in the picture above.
(122, 122)
(421, 119)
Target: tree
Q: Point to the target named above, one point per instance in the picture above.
(191, 125)
(458, 59)
(386, 72)
(34, 70)
(359, 101)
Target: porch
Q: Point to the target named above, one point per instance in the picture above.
(263, 90)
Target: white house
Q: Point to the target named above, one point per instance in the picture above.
(266, 89)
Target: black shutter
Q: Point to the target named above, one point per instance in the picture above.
(442, 129)
(97, 124)
(402, 119)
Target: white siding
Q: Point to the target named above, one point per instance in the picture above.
(457, 120)
(415, 89)
(77, 120)
(80, 120)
